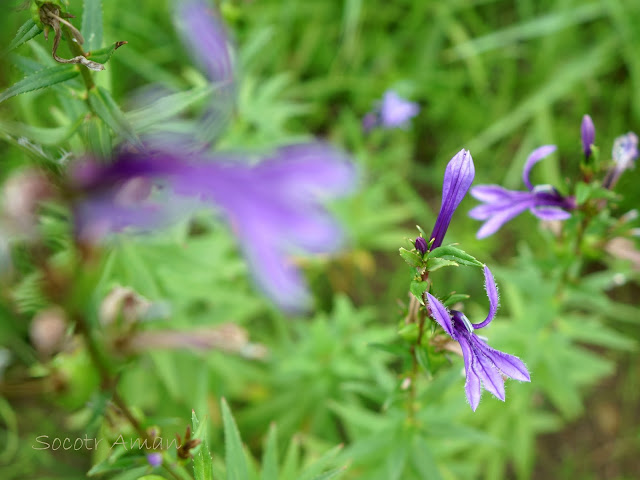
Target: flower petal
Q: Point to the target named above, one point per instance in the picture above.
(457, 179)
(492, 293)
(395, 111)
(502, 216)
(490, 193)
(509, 365)
(550, 213)
(472, 384)
(535, 156)
(441, 315)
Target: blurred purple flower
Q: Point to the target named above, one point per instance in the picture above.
(275, 208)
(392, 112)
(154, 459)
(501, 205)
(624, 154)
(587, 134)
(483, 365)
(458, 177)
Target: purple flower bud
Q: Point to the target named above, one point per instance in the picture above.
(588, 134)
(421, 245)
(154, 459)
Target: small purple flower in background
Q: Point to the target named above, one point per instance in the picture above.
(275, 208)
(587, 134)
(624, 154)
(392, 112)
(458, 177)
(501, 205)
(483, 365)
(154, 459)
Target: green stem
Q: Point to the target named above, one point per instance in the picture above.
(77, 50)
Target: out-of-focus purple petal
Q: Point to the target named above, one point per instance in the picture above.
(587, 134)
(458, 177)
(315, 169)
(494, 300)
(535, 156)
(395, 111)
(154, 459)
(625, 151)
(206, 40)
(500, 217)
(490, 193)
(440, 314)
(550, 213)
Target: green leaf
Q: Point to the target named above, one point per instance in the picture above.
(104, 54)
(434, 264)
(44, 136)
(449, 252)
(454, 298)
(41, 79)
(92, 24)
(270, 456)
(167, 107)
(107, 109)
(411, 258)
(418, 289)
(25, 33)
(202, 463)
(582, 193)
(236, 461)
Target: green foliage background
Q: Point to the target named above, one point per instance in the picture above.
(496, 77)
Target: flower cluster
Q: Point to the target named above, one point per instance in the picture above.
(484, 366)
(275, 205)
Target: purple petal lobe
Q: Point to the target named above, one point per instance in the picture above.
(550, 213)
(492, 293)
(440, 314)
(501, 215)
(395, 111)
(510, 365)
(473, 385)
(457, 179)
(535, 156)
(490, 193)
(206, 40)
(587, 134)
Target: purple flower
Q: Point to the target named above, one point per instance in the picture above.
(393, 112)
(154, 459)
(587, 134)
(501, 205)
(483, 365)
(624, 154)
(457, 179)
(275, 208)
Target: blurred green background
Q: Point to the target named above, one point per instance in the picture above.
(498, 78)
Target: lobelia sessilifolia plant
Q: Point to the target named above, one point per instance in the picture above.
(274, 203)
(484, 366)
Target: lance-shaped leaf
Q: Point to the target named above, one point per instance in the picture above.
(202, 464)
(107, 109)
(40, 79)
(412, 258)
(449, 252)
(104, 54)
(236, 460)
(25, 33)
(92, 24)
